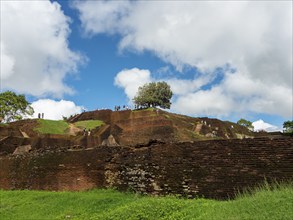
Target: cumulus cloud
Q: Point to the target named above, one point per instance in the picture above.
(35, 55)
(253, 37)
(54, 110)
(209, 102)
(7, 63)
(131, 79)
(96, 13)
(260, 125)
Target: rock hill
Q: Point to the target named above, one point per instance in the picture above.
(137, 127)
(127, 128)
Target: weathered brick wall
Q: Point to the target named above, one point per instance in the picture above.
(213, 169)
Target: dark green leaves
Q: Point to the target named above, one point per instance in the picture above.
(245, 123)
(154, 94)
(288, 126)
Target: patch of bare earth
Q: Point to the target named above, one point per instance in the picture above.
(73, 130)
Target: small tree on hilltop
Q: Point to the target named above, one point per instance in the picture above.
(288, 127)
(13, 107)
(154, 94)
(246, 123)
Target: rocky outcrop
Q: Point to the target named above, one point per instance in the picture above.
(110, 142)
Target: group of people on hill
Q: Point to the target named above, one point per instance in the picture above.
(86, 132)
(124, 107)
(41, 115)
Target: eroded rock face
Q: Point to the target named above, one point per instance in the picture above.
(213, 169)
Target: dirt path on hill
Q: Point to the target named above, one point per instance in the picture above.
(73, 130)
(24, 134)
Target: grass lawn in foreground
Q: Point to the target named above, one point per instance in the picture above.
(264, 203)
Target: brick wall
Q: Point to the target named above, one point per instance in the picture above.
(213, 169)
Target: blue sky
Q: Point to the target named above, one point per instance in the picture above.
(226, 59)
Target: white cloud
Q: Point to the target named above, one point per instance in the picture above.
(184, 86)
(96, 13)
(209, 102)
(35, 56)
(253, 95)
(131, 79)
(54, 110)
(7, 63)
(254, 37)
(261, 125)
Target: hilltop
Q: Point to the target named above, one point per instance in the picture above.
(112, 128)
(135, 127)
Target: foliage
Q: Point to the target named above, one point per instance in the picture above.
(288, 126)
(264, 203)
(13, 107)
(89, 124)
(154, 94)
(51, 127)
(245, 123)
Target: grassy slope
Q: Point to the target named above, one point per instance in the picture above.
(51, 127)
(110, 204)
(89, 124)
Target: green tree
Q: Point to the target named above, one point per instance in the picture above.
(288, 126)
(13, 107)
(154, 94)
(245, 123)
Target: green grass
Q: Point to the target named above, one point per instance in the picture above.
(51, 127)
(89, 124)
(265, 203)
(145, 109)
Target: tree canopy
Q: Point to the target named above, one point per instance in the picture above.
(154, 94)
(288, 126)
(13, 107)
(245, 123)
